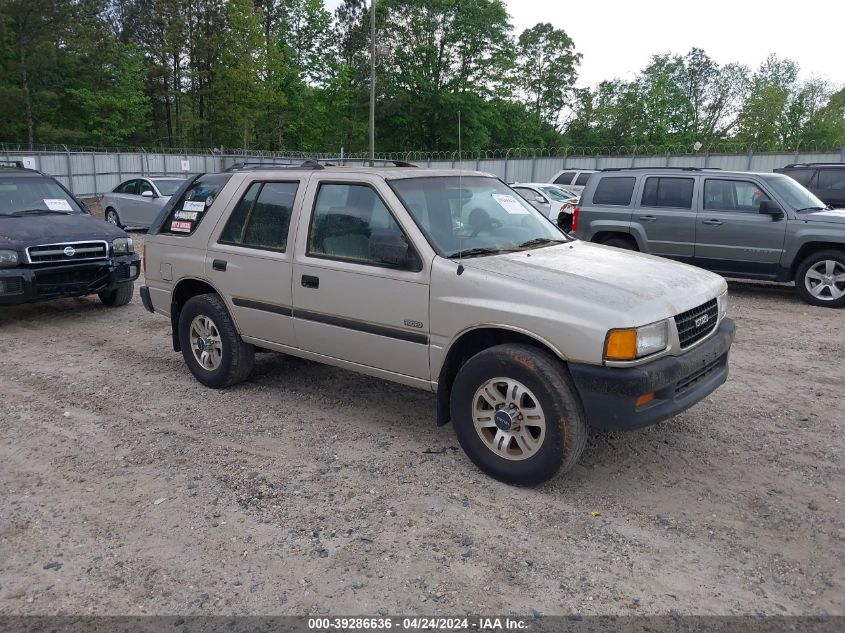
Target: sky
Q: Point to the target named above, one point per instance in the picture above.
(617, 37)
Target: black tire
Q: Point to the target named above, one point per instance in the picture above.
(621, 242)
(120, 296)
(237, 357)
(112, 217)
(802, 283)
(546, 377)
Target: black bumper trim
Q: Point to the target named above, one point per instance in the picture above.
(145, 299)
(609, 394)
(44, 283)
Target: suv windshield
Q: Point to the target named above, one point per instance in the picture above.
(473, 213)
(34, 195)
(798, 197)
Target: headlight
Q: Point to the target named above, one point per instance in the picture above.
(634, 343)
(8, 259)
(122, 245)
(723, 304)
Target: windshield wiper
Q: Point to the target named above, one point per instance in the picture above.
(813, 209)
(39, 212)
(540, 241)
(478, 251)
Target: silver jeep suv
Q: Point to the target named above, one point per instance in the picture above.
(443, 280)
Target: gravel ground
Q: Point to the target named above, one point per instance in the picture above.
(128, 488)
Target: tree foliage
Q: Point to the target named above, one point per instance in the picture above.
(287, 74)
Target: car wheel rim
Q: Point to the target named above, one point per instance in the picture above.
(508, 418)
(206, 343)
(825, 280)
(111, 218)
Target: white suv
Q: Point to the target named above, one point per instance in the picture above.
(574, 179)
(443, 280)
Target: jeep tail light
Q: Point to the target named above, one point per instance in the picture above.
(575, 213)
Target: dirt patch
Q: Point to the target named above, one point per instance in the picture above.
(128, 488)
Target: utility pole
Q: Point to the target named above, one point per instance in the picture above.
(372, 83)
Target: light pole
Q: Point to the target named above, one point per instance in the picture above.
(372, 83)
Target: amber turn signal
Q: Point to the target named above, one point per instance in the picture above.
(644, 399)
(621, 345)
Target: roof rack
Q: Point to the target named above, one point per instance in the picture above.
(317, 163)
(665, 168)
(815, 165)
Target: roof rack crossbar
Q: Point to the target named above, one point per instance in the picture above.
(665, 168)
(814, 165)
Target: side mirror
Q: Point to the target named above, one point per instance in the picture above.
(540, 200)
(147, 194)
(391, 248)
(772, 208)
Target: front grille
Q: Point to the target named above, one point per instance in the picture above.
(696, 377)
(696, 324)
(11, 286)
(67, 252)
(70, 280)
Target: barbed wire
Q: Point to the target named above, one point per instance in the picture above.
(674, 149)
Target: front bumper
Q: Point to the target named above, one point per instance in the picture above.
(42, 283)
(609, 394)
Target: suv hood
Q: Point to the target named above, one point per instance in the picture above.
(19, 232)
(621, 282)
(836, 216)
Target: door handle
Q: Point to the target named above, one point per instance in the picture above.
(219, 264)
(309, 281)
(648, 218)
(712, 222)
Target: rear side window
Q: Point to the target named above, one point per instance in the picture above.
(803, 176)
(130, 186)
(582, 179)
(185, 216)
(262, 218)
(668, 192)
(614, 191)
(565, 178)
(831, 179)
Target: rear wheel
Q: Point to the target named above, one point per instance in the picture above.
(113, 218)
(120, 296)
(211, 345)
(516, 414)
(621, 242)
(820, 279)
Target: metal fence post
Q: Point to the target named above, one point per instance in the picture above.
(69, 171)
(507, 161)
(750, 158)
(119, 169)
(533, 166)
(142, 157)
(842, 155)
(94, 172)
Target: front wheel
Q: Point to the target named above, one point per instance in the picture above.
(211, 345)
(517, 415)
(120, 296)
(113, 218)
(820, 279)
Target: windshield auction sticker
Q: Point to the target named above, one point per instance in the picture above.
(186, 215)
(510, 204)
(57, 204)
(193, 205)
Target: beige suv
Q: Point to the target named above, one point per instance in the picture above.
(443, 280)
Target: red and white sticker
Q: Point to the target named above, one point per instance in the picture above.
(181, 227)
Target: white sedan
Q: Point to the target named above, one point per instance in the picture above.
(137, 202)
(554, 201)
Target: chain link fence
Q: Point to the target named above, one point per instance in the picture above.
(89, 171)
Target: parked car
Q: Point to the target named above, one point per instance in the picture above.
(556, 203)
(51, 246)
(826, 180)
(138, 201)
(574, 179)
(441, 280)
(738, 224)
